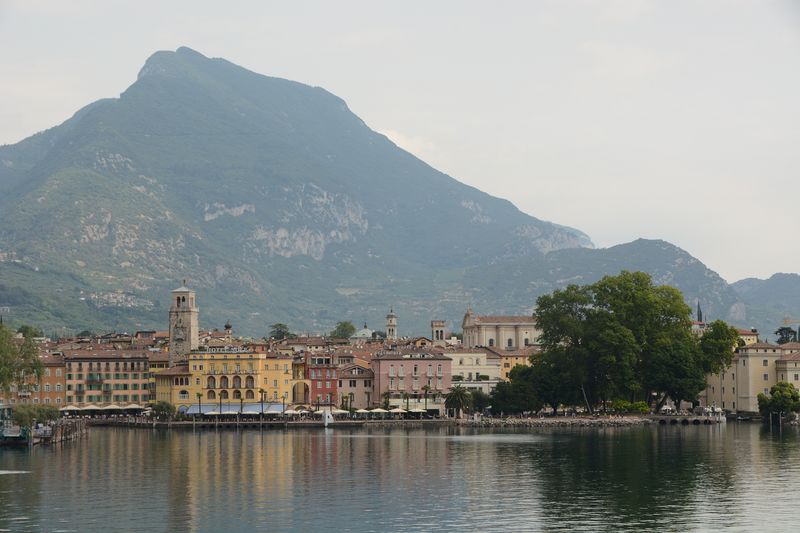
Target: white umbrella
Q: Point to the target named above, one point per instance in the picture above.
(339, 412)
(418, 410)
(398, 410)
(291, 412)
(362, 411)
(379, 410)
(133, 406)
(70, 408)
(90, 407)
(111, 407)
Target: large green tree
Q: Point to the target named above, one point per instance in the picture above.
(786, 334)
(623, 338)
(783, 398)
(343, 330)
(19, 360)
(280, 331)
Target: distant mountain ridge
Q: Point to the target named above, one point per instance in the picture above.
(279, 204)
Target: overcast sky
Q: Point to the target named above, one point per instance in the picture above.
(677, 120)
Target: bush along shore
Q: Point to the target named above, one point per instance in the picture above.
(562, 421)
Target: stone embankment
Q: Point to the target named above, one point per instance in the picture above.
(557, 422)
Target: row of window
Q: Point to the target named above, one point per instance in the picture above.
(34, 400)
(415, 370)
(415, 383)
(353, 383)
(91, 398)
(79, 377)
(223, 395)
(138, 365)
(312, 374)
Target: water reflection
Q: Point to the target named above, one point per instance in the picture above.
(659, 479)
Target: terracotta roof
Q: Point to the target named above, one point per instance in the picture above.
(105, 354)
(160, 357)
(178, 370)
(746, 332)
(794, 356)
(759, 345)
(791, 346)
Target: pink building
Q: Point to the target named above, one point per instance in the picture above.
(413, 378)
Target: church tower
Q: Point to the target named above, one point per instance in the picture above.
(183, 325)
(437, 332)
(391, 326)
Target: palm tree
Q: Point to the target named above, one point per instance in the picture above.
(385, 397)
(458, 399)
(425, 390)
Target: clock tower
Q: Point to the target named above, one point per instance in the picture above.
(183, 325)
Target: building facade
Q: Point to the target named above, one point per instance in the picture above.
(106, 376)
(411, 378)
(506, 332)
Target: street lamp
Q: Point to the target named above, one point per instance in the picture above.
(262, 392)
(199, 404)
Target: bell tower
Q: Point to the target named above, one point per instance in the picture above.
(391, 326)
(183, 325)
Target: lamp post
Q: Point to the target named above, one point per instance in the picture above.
(283, 404)
(199, 404)
(219, 413)
(261, 392)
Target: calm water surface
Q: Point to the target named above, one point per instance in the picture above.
(734, 478)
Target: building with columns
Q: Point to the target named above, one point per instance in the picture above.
(502, 332)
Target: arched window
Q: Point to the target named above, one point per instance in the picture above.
(212, 382)
(249, 382)
(223, 394)
(223, 382)
(237, 395)
(212, 395)
(183, 395)
(527, 341)
(249, 395)
(491, 342)
(237, 382)
(510, 343)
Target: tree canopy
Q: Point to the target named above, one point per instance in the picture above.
(280, 331)
(783, 398)
(343, 330)
(30, 331)
(622, 338)
(786, 334)
(19, 361)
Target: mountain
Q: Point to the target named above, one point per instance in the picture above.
(278, 204)
(772, 300)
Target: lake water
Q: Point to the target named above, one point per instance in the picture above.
(699, 478)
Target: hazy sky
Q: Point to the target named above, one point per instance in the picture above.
(677, 120)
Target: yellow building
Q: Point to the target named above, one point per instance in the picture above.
(241, 374)
(176, 386)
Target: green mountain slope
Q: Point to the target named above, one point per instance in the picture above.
(278, 204)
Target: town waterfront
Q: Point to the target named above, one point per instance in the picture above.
(734, 477)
